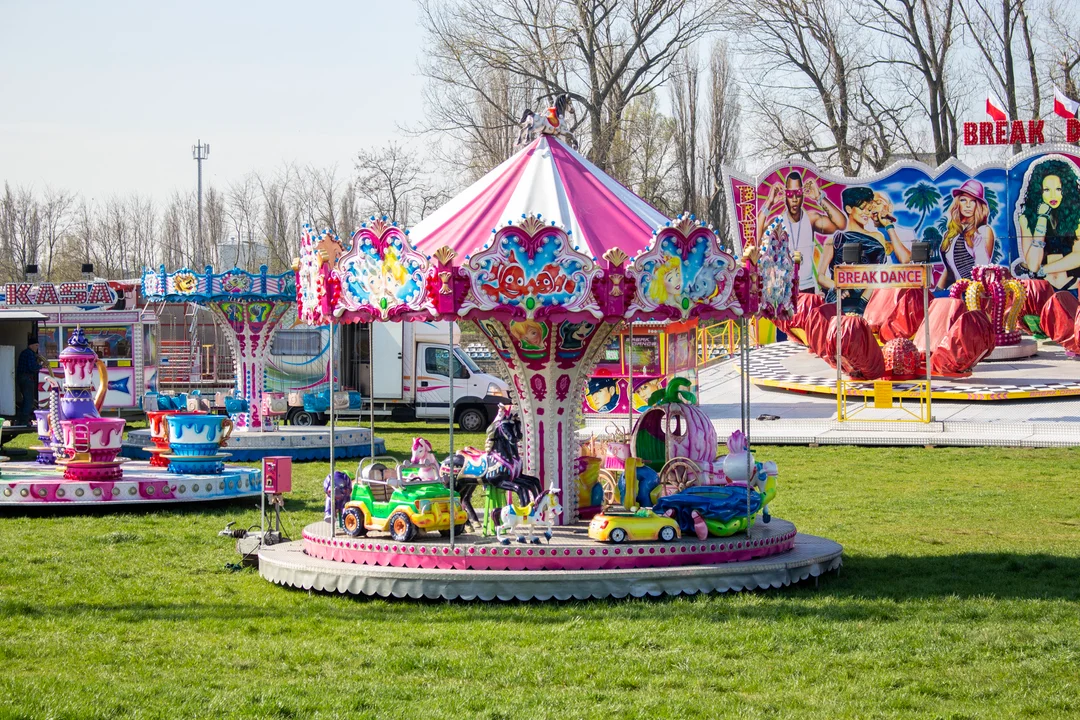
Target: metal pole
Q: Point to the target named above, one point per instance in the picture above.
(630, 376)
(200, 152)
(744, 404)
(453, 517)
(371, 389)
(840, 395)
(926, 322)
(333, 434)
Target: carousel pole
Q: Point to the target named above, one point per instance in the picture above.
(333, 433)
(371, 389)
(450, 370)
(630, 376)
(744, 404)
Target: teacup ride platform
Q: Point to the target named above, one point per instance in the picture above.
(29, 484)
(299, 443)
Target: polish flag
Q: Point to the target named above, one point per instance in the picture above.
(1063, 106)
(995, 109)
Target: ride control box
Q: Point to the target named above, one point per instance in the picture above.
(277, 475)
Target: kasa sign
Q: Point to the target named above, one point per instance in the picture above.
(69, 293)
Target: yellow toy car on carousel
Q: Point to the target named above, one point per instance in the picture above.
(633, 526)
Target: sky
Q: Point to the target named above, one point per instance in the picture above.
(108, 97)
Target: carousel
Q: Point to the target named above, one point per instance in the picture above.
(549, 257)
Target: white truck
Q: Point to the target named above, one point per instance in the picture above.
(411, 374)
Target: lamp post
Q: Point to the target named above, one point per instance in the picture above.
(199, 153)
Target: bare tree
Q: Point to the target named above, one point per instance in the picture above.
(684, 100)
(390, 182)
(813, 83)
(642, 154)
(994, 25)
(1065, 41)
(602, 53)
(923, 34)
(723, 135)
(57, 220)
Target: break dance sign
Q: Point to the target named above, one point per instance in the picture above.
(856, 277)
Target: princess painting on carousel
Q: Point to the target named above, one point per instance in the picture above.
(1048, 216)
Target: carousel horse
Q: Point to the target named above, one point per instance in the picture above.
(532, 124)
(497, 466)
(424, 459)
(516, 519)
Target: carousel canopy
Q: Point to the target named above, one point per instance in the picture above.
(546, 236)
(549, 179)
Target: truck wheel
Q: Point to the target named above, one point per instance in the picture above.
(472, 419)
(353, 519)
(302, 418)
(401, 527)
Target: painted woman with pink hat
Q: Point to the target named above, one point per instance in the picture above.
(969, 239)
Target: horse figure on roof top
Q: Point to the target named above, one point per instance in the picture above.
(498, 465)
(551, 122)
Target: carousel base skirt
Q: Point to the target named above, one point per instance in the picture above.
(570, 566)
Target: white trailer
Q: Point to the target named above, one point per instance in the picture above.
(412, 374)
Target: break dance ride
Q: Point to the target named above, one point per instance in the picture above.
(549, 257)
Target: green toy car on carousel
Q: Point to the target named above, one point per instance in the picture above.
(383, 501)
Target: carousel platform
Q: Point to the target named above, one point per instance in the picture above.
(1049, 374)
(571, 566)
(299, 443)
(28, 484)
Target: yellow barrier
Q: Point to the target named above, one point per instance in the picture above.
(882, 399)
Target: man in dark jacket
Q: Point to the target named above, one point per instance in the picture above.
(26, 377)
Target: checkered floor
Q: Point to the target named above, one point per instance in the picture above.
(791, 366)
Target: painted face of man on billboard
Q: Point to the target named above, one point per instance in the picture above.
(793, 195)
(788, 201)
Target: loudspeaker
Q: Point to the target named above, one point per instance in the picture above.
(920, 253)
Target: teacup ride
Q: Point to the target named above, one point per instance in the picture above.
(195, 442)
(157, 421)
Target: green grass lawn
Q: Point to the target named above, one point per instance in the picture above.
(959, 597)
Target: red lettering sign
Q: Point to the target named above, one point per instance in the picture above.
(1001, 128)
(69, 293)
(1035, 131)
(46, 295)
(880, 276)
(1017, 135)
(1016, 132)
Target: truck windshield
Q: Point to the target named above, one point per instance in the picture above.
(437, 360)
(463, 358)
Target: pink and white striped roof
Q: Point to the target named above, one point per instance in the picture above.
(550, 179)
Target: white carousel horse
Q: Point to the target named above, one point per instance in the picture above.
(551, 122)
(424, 459)
(540, 513)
